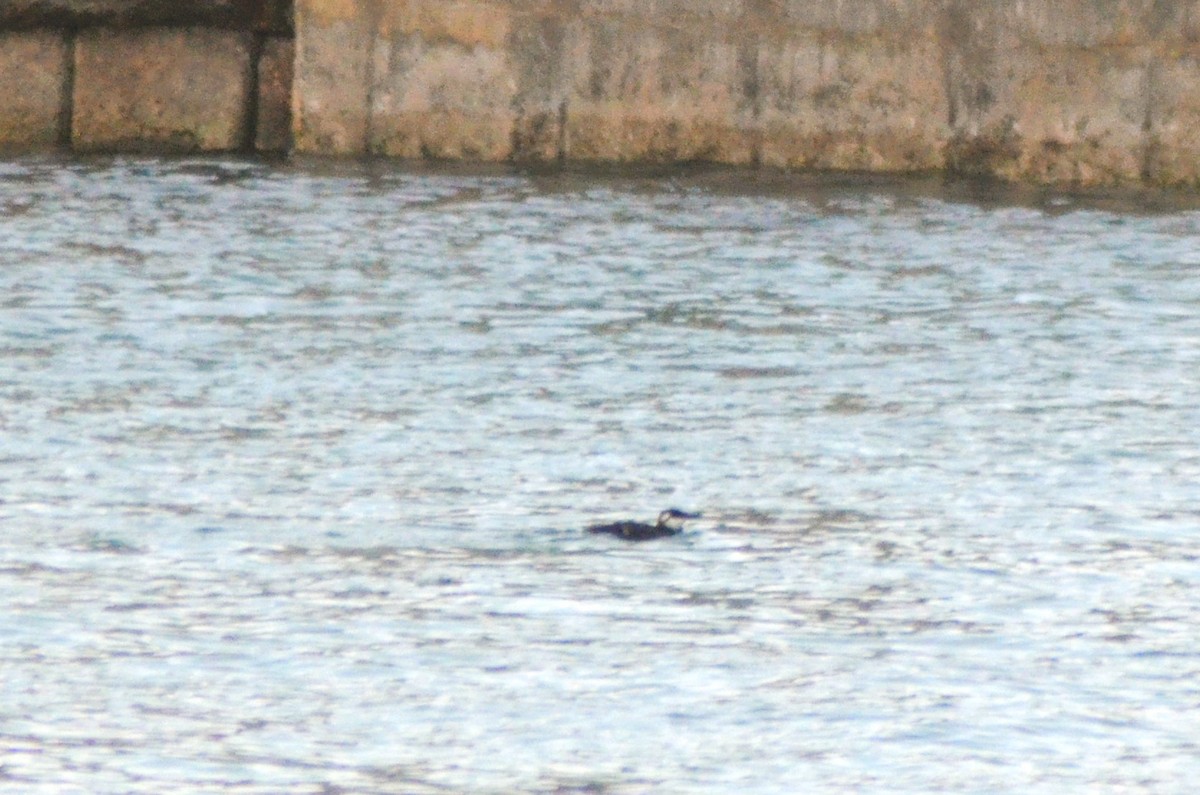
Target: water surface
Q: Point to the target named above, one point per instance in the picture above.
(295, 461)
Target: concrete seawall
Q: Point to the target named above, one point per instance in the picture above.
(1087, 92)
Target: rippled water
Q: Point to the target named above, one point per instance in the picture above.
(295, 461)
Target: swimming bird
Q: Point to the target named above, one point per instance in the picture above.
(669, 523)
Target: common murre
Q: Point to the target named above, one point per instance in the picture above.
(669, 523)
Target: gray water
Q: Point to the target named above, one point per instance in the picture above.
(295, 462)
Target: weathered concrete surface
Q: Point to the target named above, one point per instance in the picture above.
(785, 84)
(634, 88)
(273, 130)
(331, 111)
(1075, 91)
(791, 85)
(1172, 150)
(161, 89)
(868, 102)
(268, 16)
(1032, 98)
(33, 72)
(449, 94)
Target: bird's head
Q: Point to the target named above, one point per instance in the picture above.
(673, 518)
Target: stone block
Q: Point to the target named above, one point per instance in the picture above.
(445, 86)
(161, 89)
(273, 131)
(544, 51)
(442, 100)
(335, 45)
(33, 80)
(420, 79)
(657, 93)
(839, 86)
(859, 103)
(1173, 146)
(1050, 115)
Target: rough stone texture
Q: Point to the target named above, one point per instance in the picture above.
(33, 79)
(1173, 145)
(273, 132)
(640, 92)
(262, 15)
(851, 104)
(164, 89)
(1053, 91)
(665, 81)
(331, 94)
(615, 80)
(1058, 110)
(427, 78)
(440, 100)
